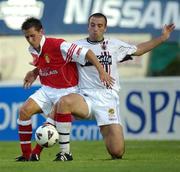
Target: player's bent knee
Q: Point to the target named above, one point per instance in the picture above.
(65, 102)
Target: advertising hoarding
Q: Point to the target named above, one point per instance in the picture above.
(149, 109)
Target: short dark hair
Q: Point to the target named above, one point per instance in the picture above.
(31, 22)
(98, 15)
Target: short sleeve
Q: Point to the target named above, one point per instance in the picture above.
(73, 53)
(124, 50)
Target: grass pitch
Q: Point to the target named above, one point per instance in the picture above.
(91, 156)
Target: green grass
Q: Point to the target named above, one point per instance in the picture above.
(91, 156)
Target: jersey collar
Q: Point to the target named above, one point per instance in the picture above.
(94, 42)
(33, 51)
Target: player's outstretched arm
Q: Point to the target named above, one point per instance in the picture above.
(149, 45)
(30, 77)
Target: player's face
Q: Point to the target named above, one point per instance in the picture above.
(33, 37)
(96, 28)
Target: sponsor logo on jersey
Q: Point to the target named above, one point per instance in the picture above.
(104, 59)
(47, 72)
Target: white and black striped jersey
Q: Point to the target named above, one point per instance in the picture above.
(109, 52)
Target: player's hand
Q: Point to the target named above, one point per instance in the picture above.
(106, 79)
(29, 79)
(167, 30)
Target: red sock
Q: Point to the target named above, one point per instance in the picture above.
(37, 150)
(63, 126)
(25, 134)
(63, 117)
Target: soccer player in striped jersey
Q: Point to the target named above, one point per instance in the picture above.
(96, 99)
(54, 60)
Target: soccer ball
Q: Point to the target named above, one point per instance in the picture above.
(46, 135)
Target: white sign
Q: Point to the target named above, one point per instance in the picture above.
(150, 108)
(14, 12)
(126, 14)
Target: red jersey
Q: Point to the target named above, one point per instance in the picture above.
(56, 62)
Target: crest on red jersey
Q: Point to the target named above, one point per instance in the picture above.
(47, 58)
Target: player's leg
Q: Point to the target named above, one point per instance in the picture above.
(68, 105)
(106, 110)
(29, 108)
(114, 140)
(74, 104)
(35, 154)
